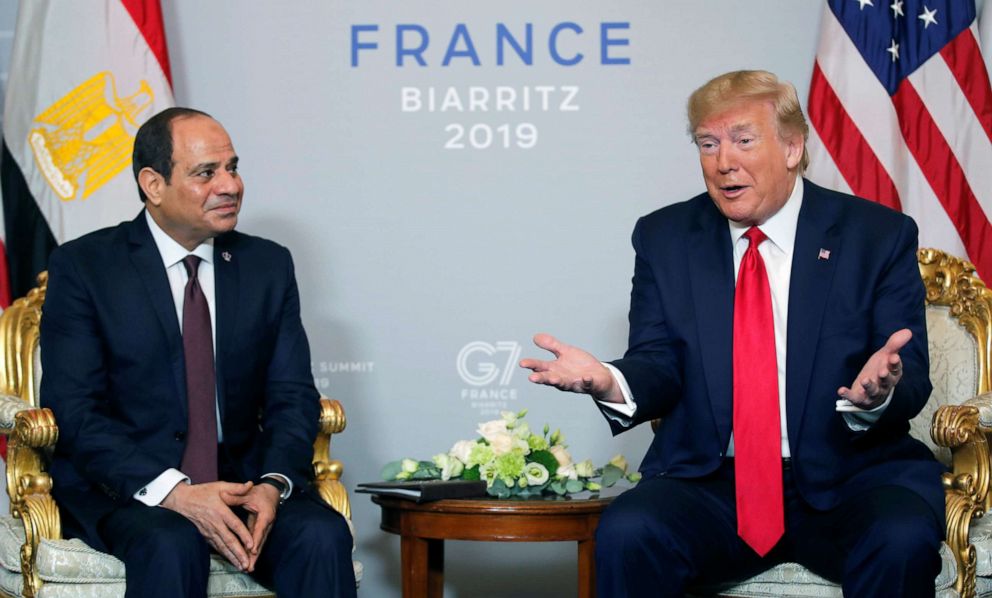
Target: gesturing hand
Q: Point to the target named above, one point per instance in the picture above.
(573, 370)
(880, 375)
(261, 503)
(207, 507)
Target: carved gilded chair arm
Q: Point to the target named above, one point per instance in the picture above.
(327, 471)
(29, 487)
(966, 486)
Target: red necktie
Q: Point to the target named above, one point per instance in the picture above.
(200, 456)
(757, 429)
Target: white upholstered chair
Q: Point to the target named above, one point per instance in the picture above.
(955, 424)
(35, 561)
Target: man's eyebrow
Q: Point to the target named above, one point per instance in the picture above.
(204, 166)
(744, 126)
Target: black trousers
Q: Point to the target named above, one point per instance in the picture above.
(668, 536)
(308, 552)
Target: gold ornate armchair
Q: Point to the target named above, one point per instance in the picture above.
(35, 561)
(955, 424)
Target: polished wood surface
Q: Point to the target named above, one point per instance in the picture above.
(423, 528)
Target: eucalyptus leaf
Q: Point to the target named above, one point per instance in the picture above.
(611, 475)
(573, 486)
(391, 469)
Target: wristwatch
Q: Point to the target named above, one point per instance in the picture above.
(276, 483)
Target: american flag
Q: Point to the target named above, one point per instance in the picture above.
(901, 110)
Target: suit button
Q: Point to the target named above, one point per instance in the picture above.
(180, 436)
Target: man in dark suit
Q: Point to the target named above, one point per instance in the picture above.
(176, 364)
(784, 390)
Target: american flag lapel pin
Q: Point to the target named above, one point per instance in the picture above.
(227, 255)
(824, 254)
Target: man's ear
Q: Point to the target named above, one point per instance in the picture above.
(794, 151)
(152, 184)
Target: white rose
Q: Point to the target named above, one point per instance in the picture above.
(584, 469)
(536, 474)
(461, 450)
(452, 469)
(567, 472)
(493, 428)
(561, 453)
(501, 444)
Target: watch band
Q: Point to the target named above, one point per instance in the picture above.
(276, 483)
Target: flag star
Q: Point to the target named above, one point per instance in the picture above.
(929, 17)
(894, 50)
(897, 9)
(865, 3)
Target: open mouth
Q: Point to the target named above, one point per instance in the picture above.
(732, 188)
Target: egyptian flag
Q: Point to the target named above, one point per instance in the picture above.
(83, 76)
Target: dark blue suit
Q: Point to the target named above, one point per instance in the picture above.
(114, 375)
(842, 308)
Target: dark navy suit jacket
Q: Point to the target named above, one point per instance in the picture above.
(114, 374)
(842, 308)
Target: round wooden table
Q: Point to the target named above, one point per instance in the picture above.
(424, 527)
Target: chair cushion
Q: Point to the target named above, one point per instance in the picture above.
(70, 568)
(10, 406)
(790, 579)
(953, 370)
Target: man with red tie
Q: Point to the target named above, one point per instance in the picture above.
(177, 366)
(777, 330)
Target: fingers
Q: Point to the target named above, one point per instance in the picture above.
(534, 364)
(548, 343)
(898, 340)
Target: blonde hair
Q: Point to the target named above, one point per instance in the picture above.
(739, 87)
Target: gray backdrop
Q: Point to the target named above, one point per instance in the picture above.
(410, 254)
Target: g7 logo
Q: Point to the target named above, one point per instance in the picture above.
(483, 371)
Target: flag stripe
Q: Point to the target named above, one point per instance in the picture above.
(148, 18)
(881, 46)
(27, 234)
(855, 159)
(945, 175)
(4, 277)
(961, 55)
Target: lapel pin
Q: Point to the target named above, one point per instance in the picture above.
(824, 254)
(227, 255)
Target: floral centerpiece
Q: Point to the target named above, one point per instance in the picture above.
(514, 462)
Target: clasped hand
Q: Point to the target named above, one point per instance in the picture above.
(209, 507)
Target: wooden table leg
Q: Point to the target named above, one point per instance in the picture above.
(587, 569)
(422, 562)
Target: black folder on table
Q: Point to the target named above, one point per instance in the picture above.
(426, 490)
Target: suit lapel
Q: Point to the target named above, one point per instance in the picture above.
(147, 261)
(812, 276)
(226, 283)
(711, 276)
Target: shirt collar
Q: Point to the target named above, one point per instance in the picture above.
(172, 252)
(781, 227)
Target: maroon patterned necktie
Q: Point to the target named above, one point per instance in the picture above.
(200, 456)
(757, 428)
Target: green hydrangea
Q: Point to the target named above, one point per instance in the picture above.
(509, 467)
(480, 455)
(537, 443)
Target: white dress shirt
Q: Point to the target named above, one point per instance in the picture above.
(776, 252)
(172, 258)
